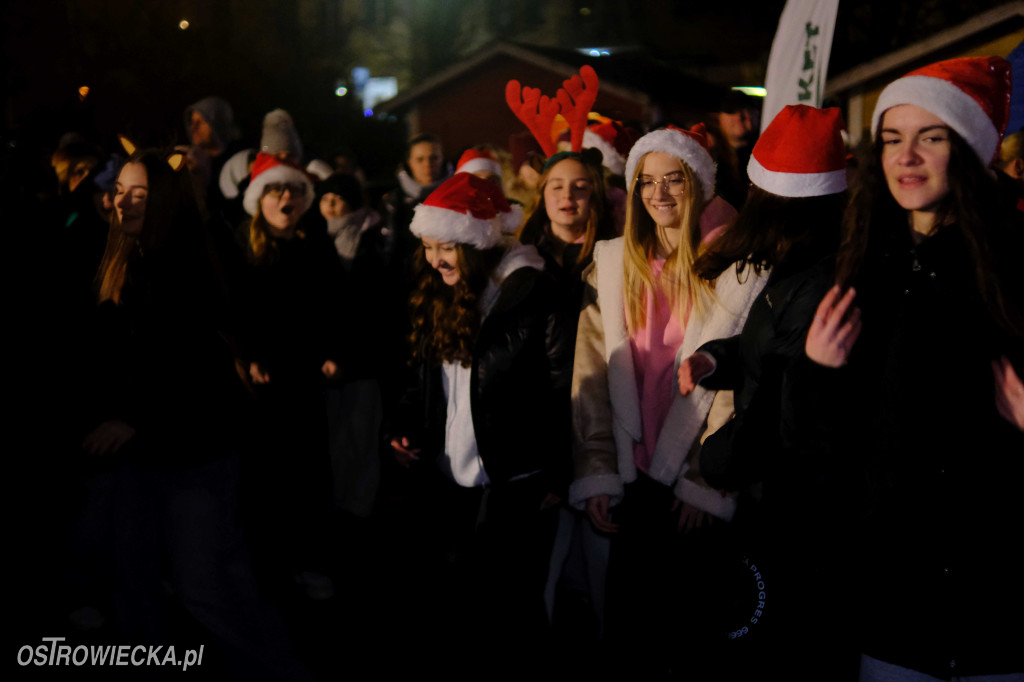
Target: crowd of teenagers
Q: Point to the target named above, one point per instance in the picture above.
(686, 404)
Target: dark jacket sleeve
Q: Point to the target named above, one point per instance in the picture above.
(728, 364)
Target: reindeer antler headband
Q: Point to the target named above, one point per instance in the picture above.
(573, 100)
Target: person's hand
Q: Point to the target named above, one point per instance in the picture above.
(1009, 392)
(834, 330)
(690, 518)
(693, 369)
(330, 369)
(108, 437)
(257, 374)
(404, 452)
(597, 510)
(549, 501)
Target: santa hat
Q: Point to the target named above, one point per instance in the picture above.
(320, 170)
(689, 146)
(267, 169)
(614, 142)
(473, 160)
(467, 210)
(234, 171)
(971, 95)
(801, 153)
(279, 134)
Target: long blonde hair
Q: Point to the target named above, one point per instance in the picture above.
(685, 290)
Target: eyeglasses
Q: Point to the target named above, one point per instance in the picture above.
(674, 184)
(276, 189)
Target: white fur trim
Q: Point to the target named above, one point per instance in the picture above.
(452, 226)
(627, 426)
(705, 499)
(279, 173)
(583, 489)
(518, 257)
(680, 146)
(955, 107)
(687, 415)
(479, 164)
(511, 220)
(319, 168)
(796, 184)
(610, 157)
(233, 172)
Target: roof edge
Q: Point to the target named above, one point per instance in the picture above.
(405, 99)
(875, 68)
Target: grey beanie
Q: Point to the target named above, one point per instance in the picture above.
(218, 114)
(279, 134)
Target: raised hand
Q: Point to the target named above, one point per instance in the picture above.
(258, 374)
(834, 330)
(1009, 392)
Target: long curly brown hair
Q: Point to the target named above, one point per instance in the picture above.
(446, 319)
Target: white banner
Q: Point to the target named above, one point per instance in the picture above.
(799, 58)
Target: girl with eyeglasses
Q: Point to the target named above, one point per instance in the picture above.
(294, 323)
(918, 353)
(636, 438)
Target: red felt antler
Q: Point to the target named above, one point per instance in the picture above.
(537, 111)
(576, 96)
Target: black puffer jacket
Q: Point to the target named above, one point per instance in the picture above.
(522, 366)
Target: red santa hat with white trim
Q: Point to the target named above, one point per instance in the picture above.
(689, 146)
(473, 160)
(612, 139)
(970, 94)
(268, 169)
(467, 210)
(801, 153)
